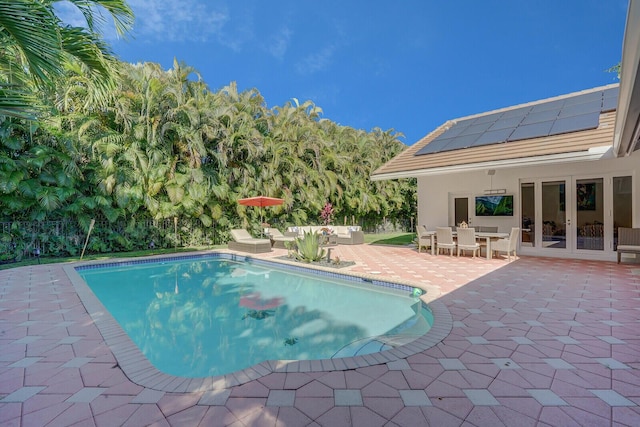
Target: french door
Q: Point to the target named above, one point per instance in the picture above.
(566, 215)
(555, 220)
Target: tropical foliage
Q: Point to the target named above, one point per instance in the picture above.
(309, 247)
(83, 136)
(166, 146)
(37, 46)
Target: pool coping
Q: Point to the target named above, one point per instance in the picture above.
(139, 370)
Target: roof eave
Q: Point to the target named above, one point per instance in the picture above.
(627, 127)
(592, 154)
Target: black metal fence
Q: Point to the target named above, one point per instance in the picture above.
(24, 239)
(28, 239)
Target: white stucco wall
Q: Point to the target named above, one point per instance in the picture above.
(436, 193)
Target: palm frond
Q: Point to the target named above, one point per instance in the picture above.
(17, 103)
(34, 29)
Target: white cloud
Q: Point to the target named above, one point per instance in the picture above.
(162, 20)
(69, 14)
(316, 61)
(177, 20)
(279, 43)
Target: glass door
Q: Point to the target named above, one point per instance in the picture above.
(589, 224)
(528, 212)
(554, 215)
(575, 215)
(622, 205)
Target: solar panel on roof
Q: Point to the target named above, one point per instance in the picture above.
(609, 104)
(479, 128)
(463, 141)
(452, 132)
(571, 114)
(552, 105)
(578, 109)
(517, 112)
(434, 146)
(465, 122)
(575, 123)
(540, 116)
(493, 137)
(535, 130)
(489, 118)
(581, 99)
(610, 99)
(506, 123)
(611, 92)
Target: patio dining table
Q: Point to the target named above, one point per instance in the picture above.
(488, 236)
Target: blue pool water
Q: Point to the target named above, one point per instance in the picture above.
(211, 316)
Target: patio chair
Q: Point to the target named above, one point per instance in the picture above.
(628, 241)
(467, 241)
(484, 229)
(279, 239)
(444, 240)
(424, 240)
(507, 245)
(244, 242)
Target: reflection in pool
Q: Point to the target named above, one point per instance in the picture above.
(211, 316)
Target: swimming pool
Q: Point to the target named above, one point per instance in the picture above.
(213, 315)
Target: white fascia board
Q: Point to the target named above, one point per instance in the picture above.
(627, 115)
(595, 153)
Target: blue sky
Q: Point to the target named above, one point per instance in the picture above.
(407, 65)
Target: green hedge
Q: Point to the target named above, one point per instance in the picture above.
(22, 239)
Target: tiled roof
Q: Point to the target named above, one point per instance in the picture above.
(407, 164)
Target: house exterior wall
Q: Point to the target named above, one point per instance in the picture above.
(436, 194)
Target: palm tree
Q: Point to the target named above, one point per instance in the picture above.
(36, 44)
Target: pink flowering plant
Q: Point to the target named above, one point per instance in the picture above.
(326, 213)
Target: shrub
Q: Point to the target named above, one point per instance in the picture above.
(309, 247)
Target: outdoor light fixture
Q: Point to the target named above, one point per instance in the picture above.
(491, 173)
(496, 191)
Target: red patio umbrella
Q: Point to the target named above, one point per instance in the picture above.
(261, 201)
(255, 301)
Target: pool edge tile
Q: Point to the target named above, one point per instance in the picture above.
(139, 370)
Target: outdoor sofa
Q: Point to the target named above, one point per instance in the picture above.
(242, 241)
(345, 234)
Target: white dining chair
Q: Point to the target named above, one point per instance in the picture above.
(424, 240)
(508, 245)
(444, 240)
(467, 241)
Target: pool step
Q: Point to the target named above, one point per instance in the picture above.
(362, 346)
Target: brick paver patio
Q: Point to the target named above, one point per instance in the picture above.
(537, 341)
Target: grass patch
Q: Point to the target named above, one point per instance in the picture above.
(400, 239)
(93, 257)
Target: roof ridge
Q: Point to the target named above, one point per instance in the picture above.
(540, 101)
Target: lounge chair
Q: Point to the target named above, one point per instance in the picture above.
(244, 242)
(279, 239)
(467, 241)
(444, 239)
(424, 240)
(507, 245)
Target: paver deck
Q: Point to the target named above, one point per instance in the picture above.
(537, 341)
